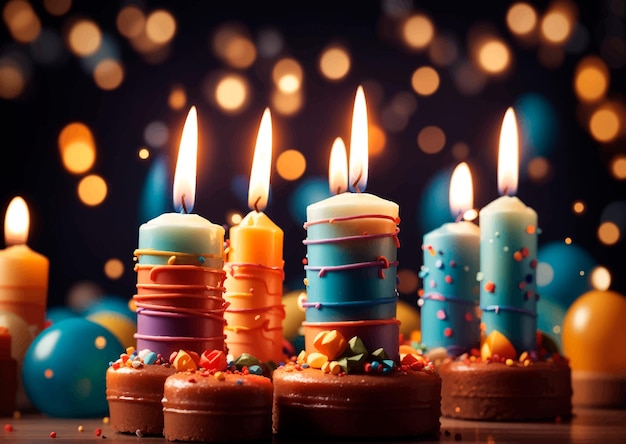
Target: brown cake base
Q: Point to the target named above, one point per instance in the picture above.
(199, 406)
(598, 389)
(134, 397)
(309, 402)
(495, 391)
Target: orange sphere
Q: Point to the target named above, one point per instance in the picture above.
(593, 333)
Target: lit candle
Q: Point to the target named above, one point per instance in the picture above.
(451, 261)
(254, 266)
(183, 238)
(508, 258)
(23, 272)
(352, 253)
(180, 273)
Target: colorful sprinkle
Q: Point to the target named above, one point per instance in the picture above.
(447, 332)
(439, 263)
(530, 229)
(8, 428)
(433, 284)
(449, 279)
(81, 428)
(441, 315)
(469, 317)
(490, 287)
(98, 432)
(453, 264)
(517, 256)
(53, 435)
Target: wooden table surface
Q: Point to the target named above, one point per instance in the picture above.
(587, 426)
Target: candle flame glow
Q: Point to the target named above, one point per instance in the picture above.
(359, 143)
(461, 190)
(338, 167)
(258, 190)
(508, 155)
(16, 222)
(186, 165)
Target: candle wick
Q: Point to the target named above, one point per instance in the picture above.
(505, 191)
(338, 190)
(184, 205)
(256, 204)
(459, 217)
(356, 181)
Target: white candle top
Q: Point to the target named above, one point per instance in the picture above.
(507, 204)
(180, 219)
(350, 204)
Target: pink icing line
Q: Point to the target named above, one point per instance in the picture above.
(191, 311)
(350, 238)
(177, 338)
(380, 261)
(181, 287)
(138, 297)
(346, 218)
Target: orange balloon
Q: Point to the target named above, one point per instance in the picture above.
(594, 332)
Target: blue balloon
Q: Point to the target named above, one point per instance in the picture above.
(56, 314)
(434, 209)
(64, 369)
(563, 272)
(307, 192)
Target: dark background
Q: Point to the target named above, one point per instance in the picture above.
(78, 239)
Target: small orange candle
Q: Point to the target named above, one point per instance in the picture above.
(23, 272)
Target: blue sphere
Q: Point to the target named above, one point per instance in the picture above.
(64, 369)
(306, 193)
(434, 209)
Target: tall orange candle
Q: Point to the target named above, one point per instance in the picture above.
(23, 272)
(254, 266)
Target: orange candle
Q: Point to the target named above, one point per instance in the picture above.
(23, 272)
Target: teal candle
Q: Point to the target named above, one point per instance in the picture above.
(450, 291)
(508, 261)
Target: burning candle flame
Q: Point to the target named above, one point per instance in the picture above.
(338, 167)
(461, 190)
(508, 155)
(186, 165)
(16, 222)
(258, 191)
(359, 143)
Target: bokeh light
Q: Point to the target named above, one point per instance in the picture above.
(143, 153)
(234, 218)
(92, 190)
(377, 139)
(156, 134)
(425, 81)
(231, 93)
(578, 207)
(493, 56)
(177, 98)
(443, 50)
(232, 44)
(539, 169)
(431, 139)
(521, 18)
(12, 78)
(84, 37)
(460, 150)
(287, 103)
(557, 25)
(130, 21)
(617, 166)
(77, 148)
(108, 74)
(290, 164)
(114, 268)
(600, 278)
(608, 233)
(57, 7)
(269, 43)
(335, 63)
(21, 20)
(160, 26)
(418, 31)
(604, 123)
(287, 75)
(591, 79)
(408, 281)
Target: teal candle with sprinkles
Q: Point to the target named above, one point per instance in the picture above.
(449, 300)
(508, 255)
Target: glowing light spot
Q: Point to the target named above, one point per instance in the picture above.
(521, 19)
(130, 21)
(377, 139)
(418, 31)
(578, 207)
(286, 104)
(57, 7)
(600, 278)
(21, 20)
(160, 26)
(538, 169)
(287, 75)
(232, 44)
(604, 124)
(84, 38)
(114, 268)
(494, 56)
(92, 190)
(431, 139)
(407, 281)
(334, 63)
(48, 373)
(156, 134)
(618, 166)
(425, 80)
(608, 233)
(177, 98)
(108, 74)
(591, 79)
(290, 164)
(12, 79)
(235, 218)
(460, 150)
(568, 241)
(556, 26)
(545, 274)
(470, 215)
(78, 157)
(143, 153)
(231, 93)
(100, 342)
